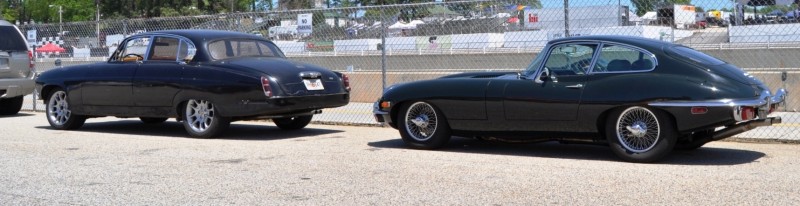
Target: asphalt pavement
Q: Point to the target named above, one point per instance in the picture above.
(113, 161)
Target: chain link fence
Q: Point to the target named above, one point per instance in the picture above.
(378, 46)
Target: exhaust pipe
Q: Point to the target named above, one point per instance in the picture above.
(744, 127)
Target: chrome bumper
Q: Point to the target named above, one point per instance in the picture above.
(763, 105)
(380, 115)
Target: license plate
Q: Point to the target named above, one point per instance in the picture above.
(313, 84)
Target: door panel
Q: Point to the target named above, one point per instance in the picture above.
(156, 83)
(109, 85)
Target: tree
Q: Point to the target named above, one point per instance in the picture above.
(643, 6)
(699, 9)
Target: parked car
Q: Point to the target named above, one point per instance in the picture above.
(206, 79)
(641, 97)
(16, 69)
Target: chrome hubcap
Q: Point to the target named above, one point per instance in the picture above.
(638, 129)
(421, 121)
(199, 114)
(58, 109)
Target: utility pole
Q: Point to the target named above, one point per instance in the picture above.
(60, 20)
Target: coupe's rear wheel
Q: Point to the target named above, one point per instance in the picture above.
(152, 120)
(10, 106)
(422, 126)
(293, 123)
(639, 134)
(59, 114)
(201, 119)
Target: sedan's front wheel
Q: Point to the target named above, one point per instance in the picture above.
(292, 123)
(422, 126)
(59, 114)
(201, 119)
(640, 134)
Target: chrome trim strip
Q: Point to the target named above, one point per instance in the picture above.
(764, 99)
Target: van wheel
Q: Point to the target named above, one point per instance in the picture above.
(10, 106)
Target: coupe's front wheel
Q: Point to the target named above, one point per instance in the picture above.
(640, 134)
(292, 123)
(422, 126)
(59, 114)
(201, 120)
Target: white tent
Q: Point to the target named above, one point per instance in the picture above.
(401, 25)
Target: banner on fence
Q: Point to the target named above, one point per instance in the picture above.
(305, 23)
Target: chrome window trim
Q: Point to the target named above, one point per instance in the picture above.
(180, 39)
(603, 43)
(549, 47)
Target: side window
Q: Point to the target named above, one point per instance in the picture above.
(615, 58)
(164, 49)
(186, 51)
(570, 59)
(133, 50)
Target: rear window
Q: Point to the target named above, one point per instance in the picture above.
(11, 39)
(694, 55)
(233, 48)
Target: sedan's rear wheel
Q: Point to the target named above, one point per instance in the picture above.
(152, 120)
(422, 126)
(292, 123)
(10, 106)
(639, 134)
(59, 114)
(201, 119)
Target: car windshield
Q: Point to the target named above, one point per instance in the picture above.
(534, 65)
(233, 48)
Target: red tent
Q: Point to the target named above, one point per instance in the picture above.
(513, 20)
(49, 48)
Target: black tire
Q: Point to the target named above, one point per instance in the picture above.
(292, 123)
(59, 114)
(423, 126)
(10, 106)
(153, 120)
(201, 120)
(640, 134)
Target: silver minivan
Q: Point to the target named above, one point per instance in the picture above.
(16, 69)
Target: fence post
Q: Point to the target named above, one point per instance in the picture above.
(383, 51)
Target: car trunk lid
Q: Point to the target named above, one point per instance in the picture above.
(294, 78)
(14, 60)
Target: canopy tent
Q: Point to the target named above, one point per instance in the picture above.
(401, 25)
(50, 48)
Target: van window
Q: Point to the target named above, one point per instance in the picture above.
(11, 39)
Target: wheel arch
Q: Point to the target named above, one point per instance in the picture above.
(603, 117)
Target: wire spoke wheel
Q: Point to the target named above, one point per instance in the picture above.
(200, 115)
(421, 121)
(638, 129)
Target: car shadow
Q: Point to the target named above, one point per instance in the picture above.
(21, 114)
(701, 156)
(175, 129)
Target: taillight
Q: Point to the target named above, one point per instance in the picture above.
(748, 113)
(32, 63)
(265, 86)
(346, 81)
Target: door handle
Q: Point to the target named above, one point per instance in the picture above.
(577, 86)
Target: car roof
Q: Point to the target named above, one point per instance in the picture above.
(645, 43)
(199, 36)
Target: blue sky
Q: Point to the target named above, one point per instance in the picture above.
(706, 4)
